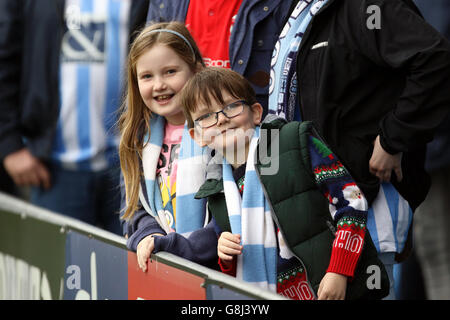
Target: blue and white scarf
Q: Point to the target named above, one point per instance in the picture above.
(283, 75)
(390, 215)
(192, 160)
(250, 216)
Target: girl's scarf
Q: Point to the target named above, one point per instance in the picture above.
(390, 216)
(192, 160)
(250, 217)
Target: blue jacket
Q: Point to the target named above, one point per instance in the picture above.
(30, 41)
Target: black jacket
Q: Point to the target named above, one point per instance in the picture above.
(30, 40)
(393, 81)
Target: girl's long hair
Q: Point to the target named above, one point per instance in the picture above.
(134, 120)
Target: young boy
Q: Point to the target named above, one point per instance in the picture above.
(277, 229)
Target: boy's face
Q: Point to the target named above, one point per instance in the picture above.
(227, 133)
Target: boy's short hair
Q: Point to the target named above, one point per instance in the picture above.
(207, 86)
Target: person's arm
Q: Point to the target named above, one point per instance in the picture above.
(140, 231)
(145, 236)
(405, 42)
(140, 225)
(199, 247)
(382, 163)
(24, 168)
(348, 207)
(228, 248)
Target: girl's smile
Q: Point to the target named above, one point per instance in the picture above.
(163, 99)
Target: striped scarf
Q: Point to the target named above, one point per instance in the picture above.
(251, 217)
(390, 215)
(192, 160)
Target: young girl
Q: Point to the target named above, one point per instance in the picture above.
(154, 144)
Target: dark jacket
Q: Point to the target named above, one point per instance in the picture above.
(393, 81)
(30, 40)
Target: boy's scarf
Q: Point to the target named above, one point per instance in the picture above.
(250, 217)
(190, 212)
(390, 215)
(283, 74)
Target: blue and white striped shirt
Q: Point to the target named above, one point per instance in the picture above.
(93, 57)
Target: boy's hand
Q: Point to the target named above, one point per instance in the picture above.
(382, 163)
(228, 246)
(332, 287)
(144, 250)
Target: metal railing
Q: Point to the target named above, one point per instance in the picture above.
(13, 206)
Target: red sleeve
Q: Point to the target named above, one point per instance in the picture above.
(347, 204)
(231, 270)
(347, 247)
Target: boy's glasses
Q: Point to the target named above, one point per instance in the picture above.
(230, 111)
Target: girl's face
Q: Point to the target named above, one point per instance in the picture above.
(161, 74)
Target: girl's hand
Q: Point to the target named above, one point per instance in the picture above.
(332, 287)
(382, 163)
(144, 250)
(228, 246)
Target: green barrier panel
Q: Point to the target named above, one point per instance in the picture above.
(31, 258)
